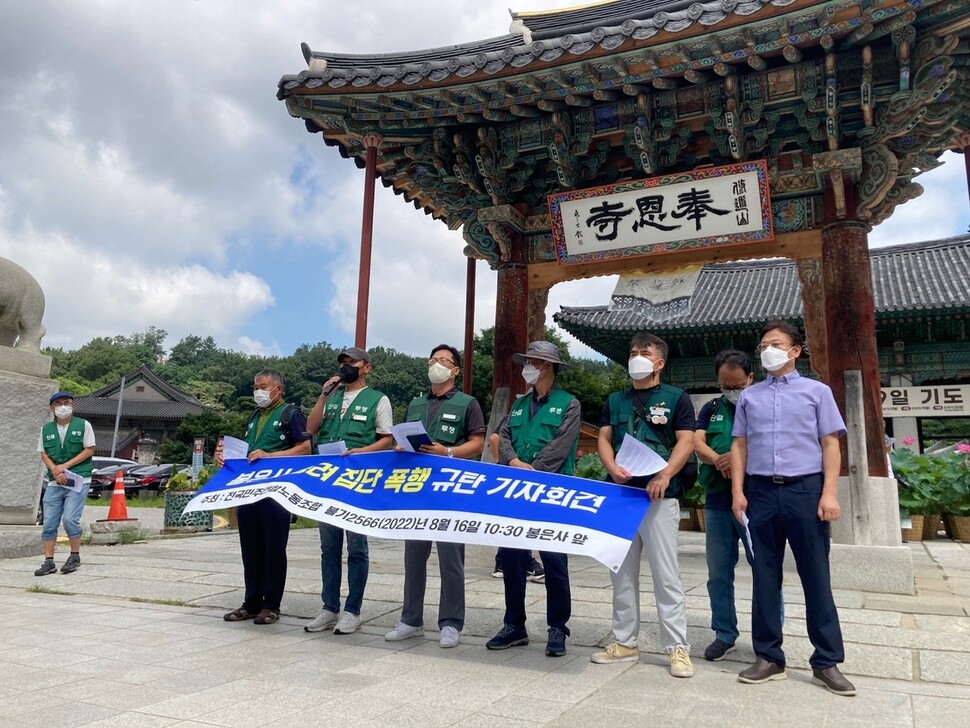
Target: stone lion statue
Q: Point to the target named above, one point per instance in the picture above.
(21, 308)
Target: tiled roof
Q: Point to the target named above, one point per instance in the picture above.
(104, 402)
(541, 38)
(913, 277)
(90, 406)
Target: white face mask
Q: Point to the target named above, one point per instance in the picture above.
(773, 359)
(530, 374)
(640, 367)
(731, 395)
(439, 373)
(63, 412)
(262, 397)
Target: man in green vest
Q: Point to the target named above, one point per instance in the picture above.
(712, 442)
(66, 447)
(347, 411)
(456, 425)
(662, 418)
(276, 429)
(540, 433)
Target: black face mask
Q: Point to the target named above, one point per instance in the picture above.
(349, 373)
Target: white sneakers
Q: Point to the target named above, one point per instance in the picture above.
(322, 622)
(450, 637)
(347, 624)
(616, 652)
(403, 632)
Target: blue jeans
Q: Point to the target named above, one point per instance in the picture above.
(63, 503)
(331, 549)
(723, 534)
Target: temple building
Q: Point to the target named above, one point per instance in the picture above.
(724, 130)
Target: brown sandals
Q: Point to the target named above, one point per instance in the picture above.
(267, 616)
(238, 615)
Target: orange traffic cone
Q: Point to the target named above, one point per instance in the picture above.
(118, 510)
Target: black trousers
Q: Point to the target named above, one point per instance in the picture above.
(264, 529)
(789, 512)
(558, 598)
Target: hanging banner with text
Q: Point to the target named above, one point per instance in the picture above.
(705, 208)
(413, 496)
(932, 400)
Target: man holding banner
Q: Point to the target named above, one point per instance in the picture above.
(661, 417)
(275, 429)
(347, 411)
(456, 425)
(540, 433)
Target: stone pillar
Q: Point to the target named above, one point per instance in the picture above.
(25, 388)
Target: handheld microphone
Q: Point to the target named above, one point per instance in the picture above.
(328, 390)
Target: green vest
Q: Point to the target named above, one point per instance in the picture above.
(448, 427)
(358, 426)
(660, 436)
(271, 438)
(719, 440)
(73, 444)
(530, 434)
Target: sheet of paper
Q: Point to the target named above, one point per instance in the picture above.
(638, 459)
(410, 436)
(234, 449)
(747, 533)
(74, 481)
(332, 448)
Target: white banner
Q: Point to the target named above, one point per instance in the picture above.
(934, 400)
(657, 297)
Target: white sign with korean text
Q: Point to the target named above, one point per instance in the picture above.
(709, 207)
(934, 400)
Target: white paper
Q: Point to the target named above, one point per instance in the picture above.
(234, 449)
(74, 481)
(409, 434)
(638, 459)
(747, 532)
(332, 448)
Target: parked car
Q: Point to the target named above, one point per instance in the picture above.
(153, 477)
(100, 461)
(103, 479)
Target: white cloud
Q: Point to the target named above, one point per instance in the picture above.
(89, 293)
(149, 176)
(251, 346)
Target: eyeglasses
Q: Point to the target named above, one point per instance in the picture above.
(441, 360)
(773, 344)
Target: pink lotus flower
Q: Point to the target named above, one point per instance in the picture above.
(907, 441)
(963, 447)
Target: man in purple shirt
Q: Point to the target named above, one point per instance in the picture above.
(785, 462)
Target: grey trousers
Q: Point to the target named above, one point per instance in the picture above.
(658, 533)
(451, 565)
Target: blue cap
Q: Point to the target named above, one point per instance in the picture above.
(60, 395)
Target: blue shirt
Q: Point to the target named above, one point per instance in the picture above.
(783, 419)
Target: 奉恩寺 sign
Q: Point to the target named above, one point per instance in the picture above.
(934, 400)
(711, 207)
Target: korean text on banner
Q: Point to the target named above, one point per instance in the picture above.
(427, 497)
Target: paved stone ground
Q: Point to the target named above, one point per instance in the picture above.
(135, 638)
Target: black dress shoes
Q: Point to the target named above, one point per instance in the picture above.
(761, 672)
(832, 680)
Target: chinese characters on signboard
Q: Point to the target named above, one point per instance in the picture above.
(939, 400)
(709, 207)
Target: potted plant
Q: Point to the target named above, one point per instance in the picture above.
(178, 492)
(954, 472)
(918, 493)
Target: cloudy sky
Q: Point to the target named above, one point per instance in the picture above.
(149, 176)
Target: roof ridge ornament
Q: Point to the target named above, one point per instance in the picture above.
(518, 27)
